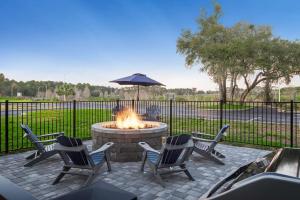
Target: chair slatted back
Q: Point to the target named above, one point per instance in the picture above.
(77, 158)
(174, 148)
(32, 138)
(152, 113)
(117, 109)
(219, 137)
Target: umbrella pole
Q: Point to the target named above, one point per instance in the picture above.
(138, 94)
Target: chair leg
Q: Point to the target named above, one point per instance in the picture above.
(143, 161)
(186, 172)
(61, 175)
(189, 174)
(218, 154)
(209, 156)
(158, 177)
(32, 162)
(31, 156)
(107, 159)
(89, 179)
(215, 159)
(36, 160)
(41, 157)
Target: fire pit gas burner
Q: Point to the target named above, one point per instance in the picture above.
(128, 119)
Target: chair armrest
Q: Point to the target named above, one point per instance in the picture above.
(202, 139)
(144, 115)
(103, 148)
(60, 147)
(200, 135)
(147, 147)
(51, 134)
(45, 141)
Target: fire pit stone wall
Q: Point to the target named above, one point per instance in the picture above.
(126, 148)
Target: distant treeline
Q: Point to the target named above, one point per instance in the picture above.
(9, 87)
(57, 89)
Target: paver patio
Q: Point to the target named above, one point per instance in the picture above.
(38, 179)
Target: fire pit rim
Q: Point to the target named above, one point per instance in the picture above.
(101, 127)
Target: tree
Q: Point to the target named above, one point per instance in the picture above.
(78, 93)
(2, 78)
(65, 90)
(49, 94)
(207, 47)
(13, 86)
(271, 60)
(86, 92)
(242, 52)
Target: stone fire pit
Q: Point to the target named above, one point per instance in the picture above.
(126, 147)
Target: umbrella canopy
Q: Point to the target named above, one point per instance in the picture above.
(137, 79)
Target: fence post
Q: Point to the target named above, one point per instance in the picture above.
(221, 113)
(6, 126)
(118, 104)
(292, 123)
(74, 118)
(132, 104)
(170, 117)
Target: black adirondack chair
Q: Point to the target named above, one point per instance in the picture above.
(75, 155)
(206, 147)
(152, 113)
(43, 150)
(172, 155)
(116, 109)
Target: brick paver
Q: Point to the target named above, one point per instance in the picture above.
(37, 179)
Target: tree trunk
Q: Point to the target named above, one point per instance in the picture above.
(244, 95)
(251, 86)
(233, 87)
(267, 91)
(223, 90)
(232, 93)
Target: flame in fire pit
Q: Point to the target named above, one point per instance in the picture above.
(128, 119)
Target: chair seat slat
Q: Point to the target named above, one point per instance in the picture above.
(97, 157)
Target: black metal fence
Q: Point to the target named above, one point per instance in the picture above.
(274, 124)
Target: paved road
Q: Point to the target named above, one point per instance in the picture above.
(256, 114)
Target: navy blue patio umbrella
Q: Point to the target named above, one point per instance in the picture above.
(137, 79)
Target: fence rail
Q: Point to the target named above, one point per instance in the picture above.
(274, 124)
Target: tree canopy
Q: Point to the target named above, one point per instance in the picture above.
(244, 51)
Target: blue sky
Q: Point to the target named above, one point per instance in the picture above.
(96, 41)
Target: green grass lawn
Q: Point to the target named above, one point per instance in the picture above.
(14, 99)
(239, 132)
(49, 121)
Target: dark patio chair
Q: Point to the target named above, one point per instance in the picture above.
(173, 155)
(43, 151)
(76, 155)
(208, 150)
(152, 113)
(116, 109)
